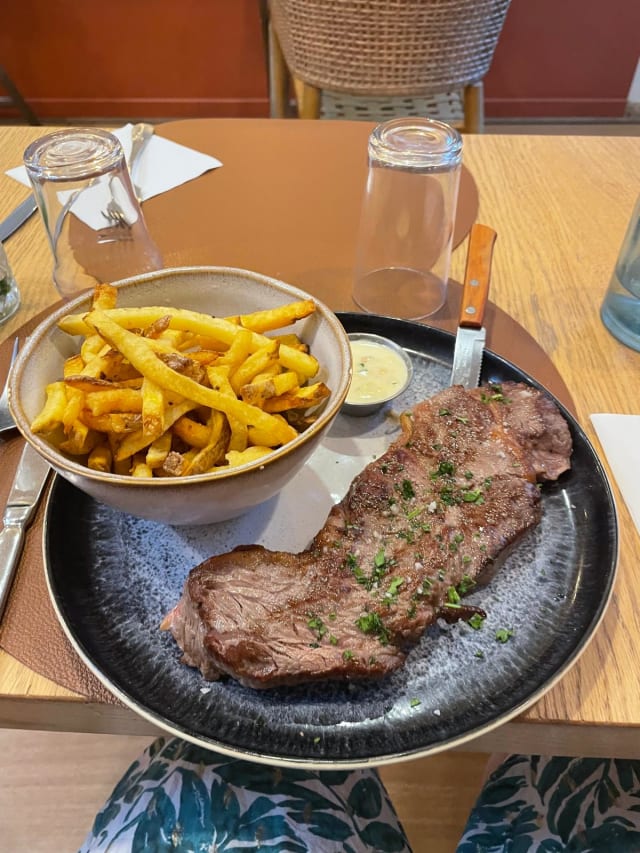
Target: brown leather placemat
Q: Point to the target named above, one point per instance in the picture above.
(30, 630)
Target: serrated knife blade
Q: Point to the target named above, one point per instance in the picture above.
(29, 481)
(471, 335)
(17, 217)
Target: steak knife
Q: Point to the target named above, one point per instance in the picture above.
(28, 483)
(470, 337)
(17, 217)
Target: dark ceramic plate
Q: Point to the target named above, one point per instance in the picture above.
(113, 577)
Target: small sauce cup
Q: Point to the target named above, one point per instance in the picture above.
(381, 371)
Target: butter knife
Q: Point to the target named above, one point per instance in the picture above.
(471, 335)
(17, 217)
(26, 489)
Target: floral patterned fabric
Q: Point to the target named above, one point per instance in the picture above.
(179, 798)
(557, 805)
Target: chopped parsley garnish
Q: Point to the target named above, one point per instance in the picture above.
(452, 595)
(465, 584)
(414, 703)
(371, 623)
(462, 419)
(479, 653)
(444, 412)
(468, 475)
(503, 634)
(472, 496)
(476, 621)
(394, 587)
(407, 489)
(446, 468)
(316, 624)
(347, 654)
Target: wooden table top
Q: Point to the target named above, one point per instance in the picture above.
(560, 206)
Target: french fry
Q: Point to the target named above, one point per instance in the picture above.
(160, 391)
(114, 400)
(153, 407)
(81, 440)
(114, 423)
(239, 350)
(216, 328)
(100, 458)
(275, 386)
(73, 366)
(104, 296)
(191, 432)
(158, 450)
(235, 457)
(253, 364)
(139, 467)
(75, 404)
(303, 398)
(137, 352)
(53, 411)
(136, 441)
(277, 318)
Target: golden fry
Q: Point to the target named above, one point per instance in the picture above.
(191, 321)
(53, 411)
(104, 296)
(136, 351)
(150, 382)
(277, 318)
(257, 392)
(152, 408)
(303, 398)
(100, 458)
(114, 400)
(253, 364)
(191, 432)
(235, 457)
(159, 450)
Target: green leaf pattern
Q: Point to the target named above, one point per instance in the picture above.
(545, 804)
(180, 798)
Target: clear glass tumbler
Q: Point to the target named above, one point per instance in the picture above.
(9, 293)
(90, 211)
(620, 311)
(407, 220)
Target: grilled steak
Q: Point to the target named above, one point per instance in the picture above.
(418, 528)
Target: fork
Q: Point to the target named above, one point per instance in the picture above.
(6, 418)
(114, 215)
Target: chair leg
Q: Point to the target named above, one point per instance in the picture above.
(474, 108)
(279, 77)
(308, 98)
(16, 98)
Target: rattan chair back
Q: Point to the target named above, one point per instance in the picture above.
(388, 47)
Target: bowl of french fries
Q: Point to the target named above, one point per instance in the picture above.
(185, 396)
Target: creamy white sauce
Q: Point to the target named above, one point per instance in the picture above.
(378, 372)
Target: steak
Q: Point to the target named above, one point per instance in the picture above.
(418, 528)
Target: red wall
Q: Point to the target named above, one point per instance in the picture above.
(176, 58)
(564, 58)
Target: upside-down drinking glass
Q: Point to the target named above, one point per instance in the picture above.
(93, 219)
(407, 220)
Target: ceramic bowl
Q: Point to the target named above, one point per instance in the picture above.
(203, 498)
(390, 356)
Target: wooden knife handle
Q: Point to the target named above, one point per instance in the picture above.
(477, 276)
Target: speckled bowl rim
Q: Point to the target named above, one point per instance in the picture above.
(59, 461)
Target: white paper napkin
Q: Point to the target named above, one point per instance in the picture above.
(619, 436)
(162, 166)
